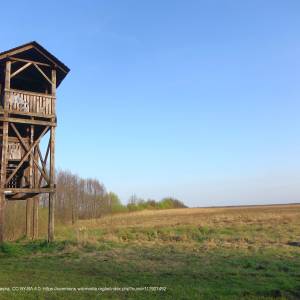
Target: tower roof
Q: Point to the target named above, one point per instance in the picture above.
(35, 52)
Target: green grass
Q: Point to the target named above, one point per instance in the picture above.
(225, 274)
(236, 260)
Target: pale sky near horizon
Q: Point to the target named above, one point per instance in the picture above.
(198, 100)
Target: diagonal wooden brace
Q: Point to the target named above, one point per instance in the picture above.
(44, 161)
(43, 171)
(44, 75)
(20, 69)
(26, 155)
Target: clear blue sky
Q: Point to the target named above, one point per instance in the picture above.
(199, 100)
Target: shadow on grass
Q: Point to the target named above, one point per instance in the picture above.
(22, 247)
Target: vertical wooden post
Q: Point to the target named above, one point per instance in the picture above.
(35, 215)
(7, 80)
(28, 217)
(52, 165)
(4, 152)
(29, 223)
(52, 194)
(2, 207)
(53, 90)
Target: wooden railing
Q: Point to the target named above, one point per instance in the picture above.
(30, 102)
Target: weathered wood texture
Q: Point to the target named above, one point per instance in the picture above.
(22, 101)
(4, 154)
(27, 113)
(52, 169)
(35, 215)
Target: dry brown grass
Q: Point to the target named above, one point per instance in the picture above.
(272, 214)
(254, 227)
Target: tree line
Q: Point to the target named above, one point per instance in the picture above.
(79, 198)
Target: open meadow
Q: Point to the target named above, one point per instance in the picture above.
(194, 253)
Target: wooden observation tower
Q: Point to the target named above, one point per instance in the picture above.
(29, 76)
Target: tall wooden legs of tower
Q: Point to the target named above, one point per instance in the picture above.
(4, 150)
(26, 170)
(32, 218)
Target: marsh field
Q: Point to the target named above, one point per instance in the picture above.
(193, 253)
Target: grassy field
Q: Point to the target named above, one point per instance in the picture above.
(205, 253)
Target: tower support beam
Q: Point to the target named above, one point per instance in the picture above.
(4, 153)
(29, 76)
